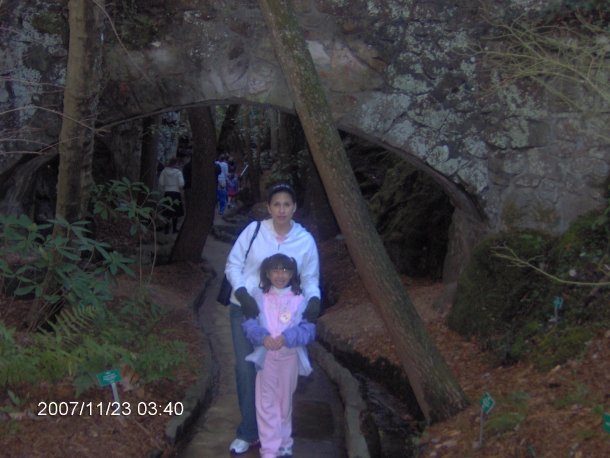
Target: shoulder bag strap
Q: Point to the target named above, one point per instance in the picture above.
(258, 225)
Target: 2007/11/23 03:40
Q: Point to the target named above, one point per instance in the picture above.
(80, 408)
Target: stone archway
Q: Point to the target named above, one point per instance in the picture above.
(400, 74)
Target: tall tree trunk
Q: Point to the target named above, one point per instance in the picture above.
(150, 151)
(80, 108)
(438, 393)
(77, 130)
(254, 164)
(200, 206)
(272, 116)
(228, 138)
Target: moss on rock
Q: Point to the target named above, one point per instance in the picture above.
(495, 299)
(511, 309)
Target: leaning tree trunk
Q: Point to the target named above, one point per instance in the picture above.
(80, 108)
(250, 179)
(437, 392)
(202, 202)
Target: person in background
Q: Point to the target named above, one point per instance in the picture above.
(221, 189)
(231, 164)
(171, 182)
(278, 234)
(232, 189)
(279, 336)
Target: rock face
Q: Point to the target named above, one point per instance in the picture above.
(410, 212)
(403, 74)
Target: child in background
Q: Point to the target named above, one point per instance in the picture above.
(232, 188)
(279, 335)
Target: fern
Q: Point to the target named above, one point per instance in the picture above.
(142, 314)
(54, 363)
(96, 356)
(69, 328)
(159, 358)
(17, 365)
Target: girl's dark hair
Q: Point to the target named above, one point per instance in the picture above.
(281, 187)
(280, 261)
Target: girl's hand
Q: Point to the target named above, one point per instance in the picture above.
(269, 343)
(273, 343)
(280, 341)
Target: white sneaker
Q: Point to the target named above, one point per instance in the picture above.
(239, 446)
(285, 451)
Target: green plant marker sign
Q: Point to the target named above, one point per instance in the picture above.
(606, 422)
(111, 378)
(108, 377)
(557, 304)
(487, 403)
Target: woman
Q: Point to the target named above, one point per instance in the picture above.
(278, 234)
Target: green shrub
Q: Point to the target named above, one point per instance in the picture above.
(580, 394)
(582, 254)
(68, 268)
(74, 274)
(123, 202)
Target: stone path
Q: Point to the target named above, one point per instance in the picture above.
(318, 409)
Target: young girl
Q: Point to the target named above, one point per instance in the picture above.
(279, 336)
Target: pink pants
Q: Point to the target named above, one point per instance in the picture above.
(275, 385)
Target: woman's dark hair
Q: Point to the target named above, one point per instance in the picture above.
(280, 261)
(281, 187)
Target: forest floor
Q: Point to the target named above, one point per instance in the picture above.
(551, 414)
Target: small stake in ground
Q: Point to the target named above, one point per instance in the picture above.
(557, 304)
(111, 378)
(487, 403)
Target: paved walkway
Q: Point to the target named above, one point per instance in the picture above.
(318, 410)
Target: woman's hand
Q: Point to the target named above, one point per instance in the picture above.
(249, 306)
(312, 310)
